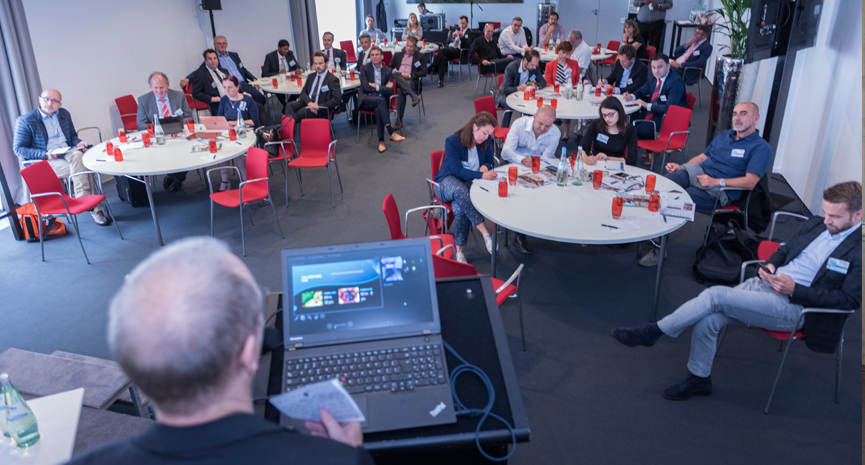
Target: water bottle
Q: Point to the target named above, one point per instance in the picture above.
(562, 172)
(3, 427)
(569, 88)
(158, 131)
(308, 68)
(20, 420)
(240, 128)
(580, 169)
(580, 89)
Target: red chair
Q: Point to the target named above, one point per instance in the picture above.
(437, 225)
(317, 151)
(128, 108)
(488, 104)
(287, 149)
(371, 114)
(196, 105)
(391, 214)
(651, 51)
(255, 188)
(611, 61)
(448, 268)
(486, 77)
(49, 199)
(690, 100)
(674, 133)
(348, 47)
(386, 57)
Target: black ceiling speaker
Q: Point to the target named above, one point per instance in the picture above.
(211, 4)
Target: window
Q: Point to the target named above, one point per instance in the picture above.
(338, 17)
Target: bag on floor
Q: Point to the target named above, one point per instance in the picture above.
(131, 191)
(720, 260)
(29, 219)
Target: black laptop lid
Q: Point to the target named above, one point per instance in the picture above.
(358, 292)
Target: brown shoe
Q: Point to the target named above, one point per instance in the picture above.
(397, 126)
(381, 147)
(100, 219)
(415, 100)
(650, 156)
(396, 137)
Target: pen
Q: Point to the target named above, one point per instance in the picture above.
(665, 218)
(484, 188)
(101, 160)
(609, 226)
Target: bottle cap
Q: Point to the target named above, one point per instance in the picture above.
(4, 378)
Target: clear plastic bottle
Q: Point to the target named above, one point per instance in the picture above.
(562, 171)
(240, 128)
(579, 91)
(3, 428)
(579, 169)
(19, 418)
(158, 131)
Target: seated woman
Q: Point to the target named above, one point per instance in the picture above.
(232, 105)
(631, 36)
(412, 29)
(557, 71)
(610, 137)
(468, 156)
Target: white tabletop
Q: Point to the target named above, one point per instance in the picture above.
(172, 157)
(57, 417)
(551, 55)
(428, 48)
(571, 213)
(587, 108)
(290, 87)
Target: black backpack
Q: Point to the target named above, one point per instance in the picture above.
(720, 260)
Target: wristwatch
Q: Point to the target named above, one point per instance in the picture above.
(723, 183)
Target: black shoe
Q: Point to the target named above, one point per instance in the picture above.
(522, 244)
(440, 84)
(643, 335)
(170, 183)
(693, 386)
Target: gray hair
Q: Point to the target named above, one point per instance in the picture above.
(157, 73)
(180, 321)
(365, 36)
(577, 34)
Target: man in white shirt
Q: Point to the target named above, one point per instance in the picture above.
(512, 40)
(532, 136)
(371, 30)
(582, 52)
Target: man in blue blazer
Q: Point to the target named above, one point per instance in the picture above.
(629, 73)
(376, 88)
(518, 75)
(50, 128)
(662, 90)
(692, 55)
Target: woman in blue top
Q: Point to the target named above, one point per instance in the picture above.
(468, 156)
(234, 103)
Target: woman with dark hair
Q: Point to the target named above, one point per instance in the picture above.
(610, 137)
(559, 72)
(468, 156)
(631, 36)
(232, 105)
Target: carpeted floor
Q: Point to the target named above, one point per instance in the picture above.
(588, 398)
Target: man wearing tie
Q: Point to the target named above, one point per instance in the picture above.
(408, 69)
(662, 90)
(280, 61)
(231, 62)
(365, 47)
(692, 55)
(376, 87)
(335, 57)
(207, 81)
(320, 93)
(163, 102)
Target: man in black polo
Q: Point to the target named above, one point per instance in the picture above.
(488, 54)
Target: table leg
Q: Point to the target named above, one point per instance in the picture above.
(153, 209)
(658, 278)
(495, 249)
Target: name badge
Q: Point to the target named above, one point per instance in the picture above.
(291, 63)
(336, 59)
(737, 153)
(696, 53)
(324, 88)
(417, 64)
(838, 265)
(603, 138)
(663, 98)
(465, 164)
(630, 81)
(240, 65)
(213, 84)
(241, 106)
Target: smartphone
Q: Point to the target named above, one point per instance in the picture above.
(765, 268)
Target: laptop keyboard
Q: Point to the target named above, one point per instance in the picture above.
(395, 370)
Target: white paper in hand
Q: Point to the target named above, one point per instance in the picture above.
(303, 403)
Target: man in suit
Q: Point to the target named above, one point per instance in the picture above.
(487, 54)
(662, 90)
(371, 30)
(231, 62)
(320, 93)
(194, 348)
(335, 57)
(692, 55)
(50, 127)
(163, 102)
(409, 67)
(363, 53)
(376, 87)
(629, 73)
(280, 61)
(518, 75)
(457, 49)
(820, 266)
(207, 81)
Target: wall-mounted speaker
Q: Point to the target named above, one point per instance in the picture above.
(211, 4)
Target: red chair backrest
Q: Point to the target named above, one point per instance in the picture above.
(391, 214)
(192, 102)
(386, 58)
(128, 108)
(612, 45)
(677, 119)
(447, 268)
(500, 80)
(286, 132)
(487, 104)
(41, 178)
(651, 51)
(690, 100)
(314, 138)
(436, 159)
(766, 249)
(348, 47)
(256, 165)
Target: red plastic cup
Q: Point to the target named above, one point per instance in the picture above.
(609, 90)
(512, 175)
(351, 73)
(556, 87)
(503, 187)
(598, 90)
(546, 46)
(534, 90)
(574, 156)
(526, 94)
(275, 83)
(118, 155)
(190, 124)
(150, 130)
(109, 148)
(650, 183)
(145, 137)
(212, 145)
(540, 102)
(618, 203)
(385, 42)
(424, 42)
(122, 134)
(654, 202)
(598, 48)
(597, 177)
(555, 103)
(232, 134)
(299, 81)
(536, 164)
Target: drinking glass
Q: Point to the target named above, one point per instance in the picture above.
(275, 83)
(145, 137)
(650, 183)
(109, 148)
(654, 202)
(546, 46)
(574, 156)
(597, 177)
(540, 102)
(212, 145)
(556, 87)
(351, 75)
(555, 103)
(618, 203)
(150, 130)
(118, 155)
(503, 186)
(232, 134)
(424, 42)
(122, 134)
(190, 124)
(526, 94)
(512, 175)
(536, 164)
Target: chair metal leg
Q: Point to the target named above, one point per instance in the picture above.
(275, 217)
(41, 231)
(330, 181)
(285, 175)
(522, 328)
(112, 218)
(299, 182)
(338, 178)
(778, 376)
(477, 84)
(242, 237)
(78, 233)
(211, 218)
(839, 354)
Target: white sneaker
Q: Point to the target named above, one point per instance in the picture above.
(488, 241)
(461, 257)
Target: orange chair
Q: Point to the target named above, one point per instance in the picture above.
(317, 151)
(690, 100)
(437, 225)
(255, 188)
(391, 214)
(49, 199)
(194, 104)
(448, 268)
(287, 149)
(674, 133)
(348, 47)
(128, 108)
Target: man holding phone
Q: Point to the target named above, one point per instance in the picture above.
(819, 267)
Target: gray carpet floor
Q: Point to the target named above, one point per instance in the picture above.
(588, 398)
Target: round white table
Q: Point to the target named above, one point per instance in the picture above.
(428, 48)
(587, 108)
(575, 214)
(289, 87)
(551, 55)
(175, 156)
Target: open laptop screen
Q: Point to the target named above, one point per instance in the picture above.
(358, 292)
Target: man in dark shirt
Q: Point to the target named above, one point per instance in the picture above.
(186, 327)
(487, 54)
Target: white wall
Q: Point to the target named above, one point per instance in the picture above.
(98, 50)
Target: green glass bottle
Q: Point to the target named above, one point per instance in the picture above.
(20, 420)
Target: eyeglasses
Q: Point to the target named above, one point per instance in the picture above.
(50, 100)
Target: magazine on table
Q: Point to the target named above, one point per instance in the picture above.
(533, 180)
(673, 205)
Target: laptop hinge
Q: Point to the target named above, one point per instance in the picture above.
(426, 331)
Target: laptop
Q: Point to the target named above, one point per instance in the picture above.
(214, 123)
(172, 124)
(367, 314)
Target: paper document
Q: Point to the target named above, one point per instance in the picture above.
(620, 185)
(303, 403)
(132, 145)
(674, 205)
(620, 226)
(61, 150)
(615, 165)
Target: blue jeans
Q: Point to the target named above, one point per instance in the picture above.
(456, 191)
(753, 302)
(703, 197)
